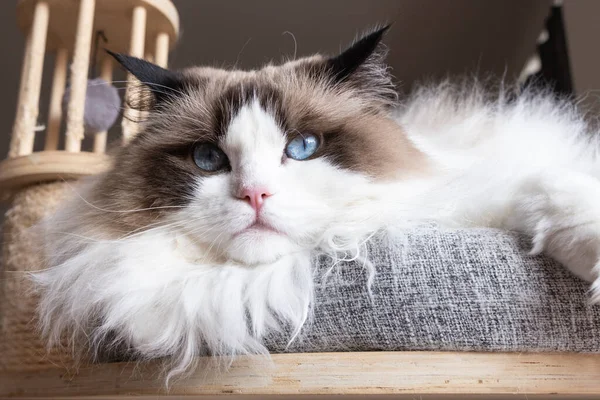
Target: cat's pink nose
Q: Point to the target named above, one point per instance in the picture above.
(255, 197)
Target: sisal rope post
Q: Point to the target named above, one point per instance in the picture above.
(161, 53)
(106, 73)
(21, 346)
(79, 71)
(31, 80)
(136, 49)
(59, 82)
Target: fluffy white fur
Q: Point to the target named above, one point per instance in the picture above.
(162, 302)
(529, 164)
(195, 285)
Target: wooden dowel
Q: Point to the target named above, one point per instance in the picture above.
(56, 96)
(161, 53)
(136, 49)
(25, 67)
(106, 73)
(14, 142)
(79, 71)
(31, 80)
(138, 32)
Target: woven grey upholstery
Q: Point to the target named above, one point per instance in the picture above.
(440, 289)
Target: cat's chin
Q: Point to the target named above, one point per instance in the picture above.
(252, 247)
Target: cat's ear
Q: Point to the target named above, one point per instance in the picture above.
(160, 81)
(362, 65)
(361, 54)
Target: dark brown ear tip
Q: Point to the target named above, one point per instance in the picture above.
(120, 57)
(379, 32)
(111, 53)
(162, 82)
(357, 54)
(386, 27)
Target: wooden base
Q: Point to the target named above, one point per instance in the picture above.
(49, 166)
(326, 375)
(111, 16)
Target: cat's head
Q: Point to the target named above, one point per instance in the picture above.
(256, 164)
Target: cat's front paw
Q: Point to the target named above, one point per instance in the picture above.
(595, 286)
(561, 213)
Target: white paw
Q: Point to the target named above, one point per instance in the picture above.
(595, 287)
(577, 247)
(561, 212)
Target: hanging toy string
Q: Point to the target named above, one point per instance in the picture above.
(92, 70)
(102, 101)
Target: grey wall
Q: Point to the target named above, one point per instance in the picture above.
(430, 38)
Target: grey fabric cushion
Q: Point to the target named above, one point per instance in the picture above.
(442, 289)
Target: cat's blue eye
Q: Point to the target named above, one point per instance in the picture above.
(302, 146)
(208, 157)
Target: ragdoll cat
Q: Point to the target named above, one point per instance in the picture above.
(200, 238)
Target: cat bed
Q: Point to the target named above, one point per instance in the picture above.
(435, 289)
(451, 290)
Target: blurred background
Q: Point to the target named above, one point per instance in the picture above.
(430, 39)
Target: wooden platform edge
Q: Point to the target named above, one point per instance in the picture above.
(535, 375)
(49, 166)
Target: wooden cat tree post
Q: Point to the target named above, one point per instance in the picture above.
(66, 29)
(37, 179)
